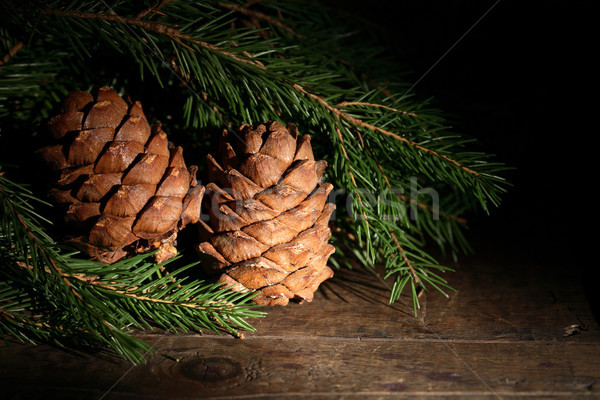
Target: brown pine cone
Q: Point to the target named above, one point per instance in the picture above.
(268, 214)
(124, 187)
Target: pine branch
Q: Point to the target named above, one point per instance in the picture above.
(260, 16)
(360, 123)
(99, 304)
(152, 27)
(152, 10)
(388, 151)
(11, 53)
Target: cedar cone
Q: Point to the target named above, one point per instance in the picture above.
(268, 226)
(124, 187)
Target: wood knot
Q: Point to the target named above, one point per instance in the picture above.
(212, 369)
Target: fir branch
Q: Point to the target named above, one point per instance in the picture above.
(360, 123)
(261, 16)
(405, 259)
(11, 53)
(152, 10)
(101, 302)
(150, 26)
(379, 140)
(133, 292)
(435, 213)
(362, 103)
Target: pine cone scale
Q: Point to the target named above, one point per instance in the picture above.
(147, 170)
(68, 122)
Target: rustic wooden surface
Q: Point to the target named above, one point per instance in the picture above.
(515, 329)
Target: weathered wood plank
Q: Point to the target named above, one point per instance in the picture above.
(274, 368)
(508, 297)
(495, 300)
(502, 335)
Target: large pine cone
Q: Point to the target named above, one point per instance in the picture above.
(125, 188)
(268, 214)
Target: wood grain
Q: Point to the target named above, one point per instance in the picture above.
(265, 367)
(509, 332)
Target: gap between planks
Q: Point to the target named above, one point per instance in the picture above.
(366, 339)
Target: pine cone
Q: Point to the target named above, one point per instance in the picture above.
(268, 218)
(125, 188)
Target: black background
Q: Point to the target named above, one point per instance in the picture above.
(521, 82)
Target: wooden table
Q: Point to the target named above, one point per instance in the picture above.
(515, 329)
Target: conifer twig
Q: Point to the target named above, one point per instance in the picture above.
(151, 26)
(362, 103)
(385, 91)
(35, 240)
(11, 53)
(406, 260)
(261, 16)
(107, 301)
(174, 33)
(360, 123)
(153, 9)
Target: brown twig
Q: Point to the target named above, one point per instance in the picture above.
(174, 33)
(81, 277)
(36, 243)
(370, 81)
(38, 324)
(251, 3)
(95, 281)
(11, 53)
(255, 23)
(154, 9)
(342, 115)
(183, 44)
(339, 133)
(261, 16)
(388, 183)
(151, 26)
(255, 14)
(400, 196)
(406, 260)
(431, 210)
(361, 103)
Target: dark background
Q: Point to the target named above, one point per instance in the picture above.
(521, 83)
